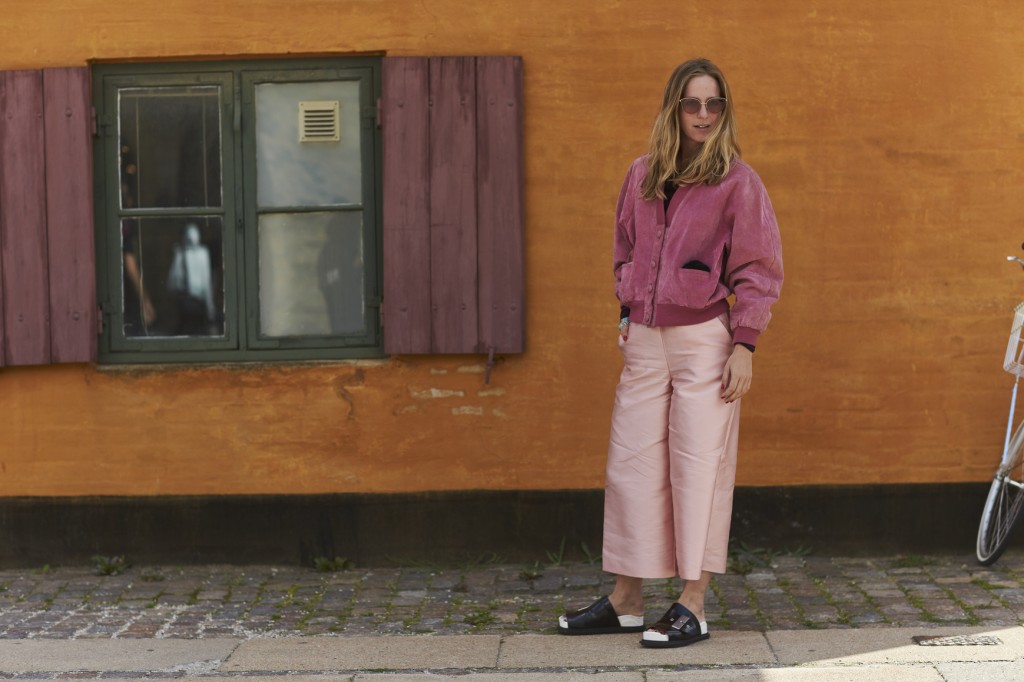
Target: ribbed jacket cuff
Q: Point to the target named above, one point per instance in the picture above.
(745, 335)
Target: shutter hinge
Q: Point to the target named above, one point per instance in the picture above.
(380, 108)
(95, 124)
(380, 312)
(106, 309)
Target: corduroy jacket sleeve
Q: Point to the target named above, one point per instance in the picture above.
(625, 228)
(753, 270)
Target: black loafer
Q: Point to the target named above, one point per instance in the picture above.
(678, 627)
(598, 619)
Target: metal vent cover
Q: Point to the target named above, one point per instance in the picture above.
(320, 121)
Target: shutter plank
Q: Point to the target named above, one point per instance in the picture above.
(406, 157)
(69, 215)
(500, 203)
(23, 221)
(453, 243)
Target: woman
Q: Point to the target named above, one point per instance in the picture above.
(693, 226)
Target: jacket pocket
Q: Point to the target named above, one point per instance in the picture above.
(623, 288)
(689, 288)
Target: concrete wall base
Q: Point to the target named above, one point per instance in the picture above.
(463, 526)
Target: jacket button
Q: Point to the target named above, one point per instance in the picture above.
(650, 287)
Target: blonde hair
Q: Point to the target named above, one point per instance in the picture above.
(712, 162)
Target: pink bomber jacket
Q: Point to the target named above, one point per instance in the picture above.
(677, 267)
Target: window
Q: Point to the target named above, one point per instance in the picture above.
(237, 214)
(252, 210)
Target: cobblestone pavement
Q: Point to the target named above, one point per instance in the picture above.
(761, 592)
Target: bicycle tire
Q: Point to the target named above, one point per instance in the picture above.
(1004, 505)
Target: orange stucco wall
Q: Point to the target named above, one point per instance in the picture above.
(890, 137)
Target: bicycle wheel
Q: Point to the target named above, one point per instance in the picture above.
(1005, 504)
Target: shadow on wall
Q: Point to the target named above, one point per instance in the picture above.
(456, 527)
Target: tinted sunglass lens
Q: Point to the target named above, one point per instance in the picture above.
(691, 106)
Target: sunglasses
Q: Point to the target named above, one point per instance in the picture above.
(715, 105)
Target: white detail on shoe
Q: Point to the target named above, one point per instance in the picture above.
(655, 636)
(624, 621)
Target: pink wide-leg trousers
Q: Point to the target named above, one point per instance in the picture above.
(672, 455)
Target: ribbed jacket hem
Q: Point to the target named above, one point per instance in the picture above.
(667, 315)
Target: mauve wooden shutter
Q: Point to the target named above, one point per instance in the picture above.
(499, 171)
(23, 220)
(47, 262)
(69, 215)
(453, 205)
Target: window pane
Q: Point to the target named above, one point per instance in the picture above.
(312, 173)
(311, 274)
(173, 276)
(170, 147)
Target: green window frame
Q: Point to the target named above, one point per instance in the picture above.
(244, 215)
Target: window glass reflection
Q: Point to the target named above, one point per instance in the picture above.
(173, 277)
(170, 147)
(294, 173)
(311, 274)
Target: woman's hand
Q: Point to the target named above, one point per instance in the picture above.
(624, 328)
(148, 311)
(738, 374)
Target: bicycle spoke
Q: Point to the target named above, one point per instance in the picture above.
(998, 521)
(1006, 510)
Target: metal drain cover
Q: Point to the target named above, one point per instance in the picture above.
(957, 640)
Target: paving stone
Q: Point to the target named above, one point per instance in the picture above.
(866, 618)
(197, 602)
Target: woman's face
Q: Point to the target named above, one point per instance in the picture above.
(696, 127)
